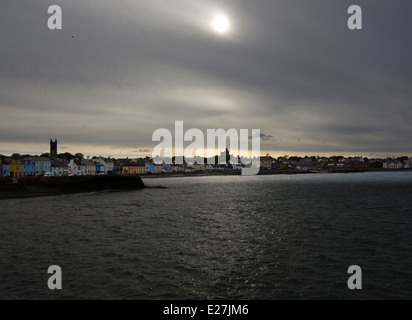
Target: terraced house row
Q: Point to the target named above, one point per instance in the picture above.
(66, 164)
(17, 168)
(41, 166)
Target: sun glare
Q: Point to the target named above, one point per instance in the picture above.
(221, 24)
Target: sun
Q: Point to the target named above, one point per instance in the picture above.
(221, 24)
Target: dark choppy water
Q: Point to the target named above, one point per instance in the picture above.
(264, 237)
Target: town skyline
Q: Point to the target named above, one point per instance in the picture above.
(381, 155)
(65, 164)
(148, 153)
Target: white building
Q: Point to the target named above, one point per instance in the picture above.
(393, 164)
(59, 169)
(76, 169)
(106, 165)
(237, 166)
(408, 164)
(178, 168)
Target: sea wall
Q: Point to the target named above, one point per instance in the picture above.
(32, 186)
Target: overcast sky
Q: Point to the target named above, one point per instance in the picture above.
(119, 70)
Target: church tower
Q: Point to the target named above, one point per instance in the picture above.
(53, 149)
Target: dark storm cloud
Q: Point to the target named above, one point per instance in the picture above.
(266, 137)
(119, 70)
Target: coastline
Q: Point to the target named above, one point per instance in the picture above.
(49, 186)
(266, 172)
